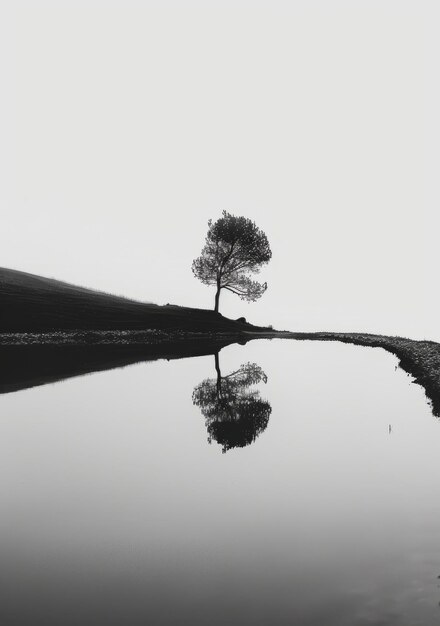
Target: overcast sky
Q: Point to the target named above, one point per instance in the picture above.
(126, 125)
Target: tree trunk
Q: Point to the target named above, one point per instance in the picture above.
(217, 298)
(219, 376)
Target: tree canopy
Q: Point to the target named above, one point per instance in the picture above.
(234, 249)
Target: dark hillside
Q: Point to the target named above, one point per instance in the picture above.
(30, 303)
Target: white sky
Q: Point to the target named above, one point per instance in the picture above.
(125, 126)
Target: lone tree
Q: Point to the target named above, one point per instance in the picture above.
(234, 248)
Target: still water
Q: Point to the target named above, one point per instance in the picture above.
(128, 497)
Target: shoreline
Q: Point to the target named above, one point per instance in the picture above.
(420, 359)
(116, 337)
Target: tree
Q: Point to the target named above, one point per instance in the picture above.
(234, 413)
(234, 248)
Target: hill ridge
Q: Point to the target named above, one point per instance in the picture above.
(33, 303)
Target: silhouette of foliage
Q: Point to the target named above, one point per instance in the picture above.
(235, 415)
(234, 248)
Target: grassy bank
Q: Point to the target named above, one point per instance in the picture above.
(420, 359)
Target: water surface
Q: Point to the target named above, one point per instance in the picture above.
(127, 498)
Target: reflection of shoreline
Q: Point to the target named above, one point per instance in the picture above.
(26, 366)
(235, 415)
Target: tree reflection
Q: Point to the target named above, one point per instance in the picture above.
(234, 414)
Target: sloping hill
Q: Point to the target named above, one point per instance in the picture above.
(30, 303)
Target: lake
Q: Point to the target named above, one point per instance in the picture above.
(290, 482)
